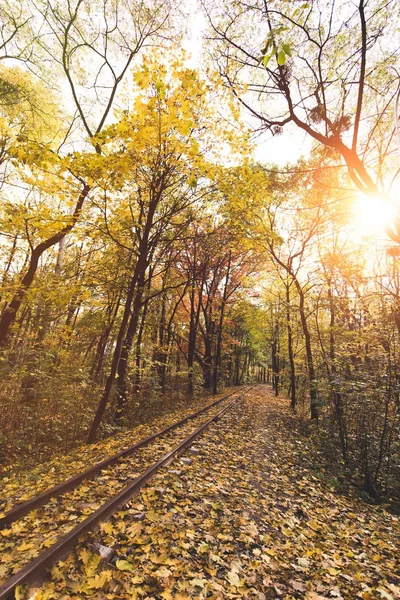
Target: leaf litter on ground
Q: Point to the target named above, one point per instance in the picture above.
(247, 518)
(25, 538)
(19, 486)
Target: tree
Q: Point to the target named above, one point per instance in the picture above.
(325, 67)
(85, 51)
(217, 269)
(156, 157)
(291, 262)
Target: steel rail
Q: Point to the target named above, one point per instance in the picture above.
(42, 562)
(24, 508)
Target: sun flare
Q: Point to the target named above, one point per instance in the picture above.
(372, 215)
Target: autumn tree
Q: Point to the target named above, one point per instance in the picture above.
(247, 340)
(85, 51)
(156, 157)
(325, 68)
(217, 269)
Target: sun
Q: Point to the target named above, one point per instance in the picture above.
(372, 215)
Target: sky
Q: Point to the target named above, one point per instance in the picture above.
(288, 147)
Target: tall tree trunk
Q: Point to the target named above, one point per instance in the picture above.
(293, 398)
(62, 246)
(309, 353)
(217, 360)
(114, 365)
(336, 394)
(122, 388)
(170, 339)
(245, 369)
(208, 339)
(275, 365)
(103, 341)
(162, 354)
(122, 370)
(237, 367)
(138, 348)
(207, 371)
(194, 324)
(136, 292)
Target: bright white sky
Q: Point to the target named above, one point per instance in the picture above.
(285, 148)
(282, 149)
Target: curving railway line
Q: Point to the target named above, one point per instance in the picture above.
(105, 487)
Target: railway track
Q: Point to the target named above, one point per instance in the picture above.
(75, 506)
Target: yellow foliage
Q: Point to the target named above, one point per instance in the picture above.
(28, 110)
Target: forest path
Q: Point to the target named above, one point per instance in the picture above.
(245, 517)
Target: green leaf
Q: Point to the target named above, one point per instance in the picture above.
(266, 60)
(287, 49)
(124, 565)
(281, 57)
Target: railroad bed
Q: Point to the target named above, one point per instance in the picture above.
(38, 531)
(18, 487)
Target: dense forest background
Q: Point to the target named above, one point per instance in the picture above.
(146, 255)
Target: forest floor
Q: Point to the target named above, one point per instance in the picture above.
(248, 517)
